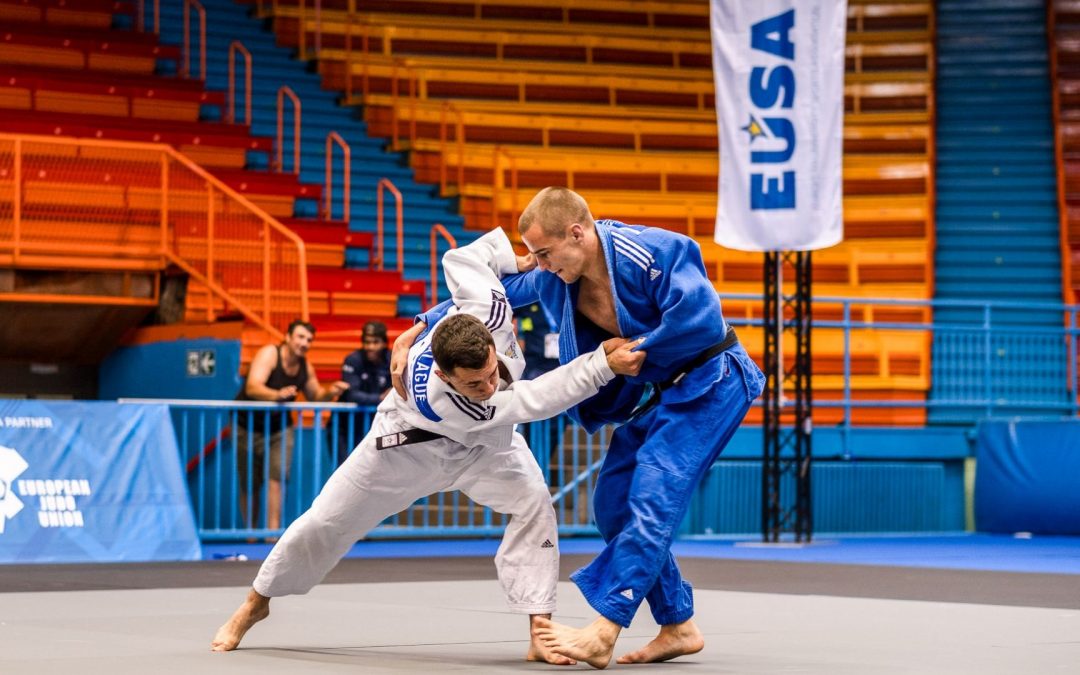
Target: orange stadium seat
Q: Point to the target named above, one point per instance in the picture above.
(494, 104)
(101, 204)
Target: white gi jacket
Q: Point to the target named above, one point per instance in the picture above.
(472, 274)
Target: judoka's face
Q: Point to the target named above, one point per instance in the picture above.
(477, 385)
(563, 256)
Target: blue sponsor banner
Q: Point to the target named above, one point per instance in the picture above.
(92, 482)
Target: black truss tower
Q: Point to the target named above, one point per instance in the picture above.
(785, 471)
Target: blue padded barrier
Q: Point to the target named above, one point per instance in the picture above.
(1028, 476)
(199, 368)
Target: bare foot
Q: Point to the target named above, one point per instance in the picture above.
(677, 639)
(255, 608)
(537, 650)
(592, 644)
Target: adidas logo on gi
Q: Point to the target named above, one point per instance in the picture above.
(628, 594)
(653, 274)
(547, 544)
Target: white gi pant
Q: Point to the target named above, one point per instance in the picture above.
(374, 484)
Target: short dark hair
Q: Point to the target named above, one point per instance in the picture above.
(461, 341)
(300, 323)
(375, 329)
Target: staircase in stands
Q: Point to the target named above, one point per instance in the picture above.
(997, 213)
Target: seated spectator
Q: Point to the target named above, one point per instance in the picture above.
(367, 372)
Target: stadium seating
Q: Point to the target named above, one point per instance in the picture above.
(65, 72)
(493, 101)
(1065, 49)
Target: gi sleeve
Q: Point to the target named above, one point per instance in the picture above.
(531, 400)
(433, 314)
(472, 274)
(522, 289)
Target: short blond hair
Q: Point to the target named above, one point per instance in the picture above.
(554, 209)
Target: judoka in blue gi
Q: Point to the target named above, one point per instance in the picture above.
(603, 279)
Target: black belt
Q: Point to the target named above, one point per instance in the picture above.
(729, 341)
(406, 437)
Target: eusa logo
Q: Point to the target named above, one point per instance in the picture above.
(771, 87)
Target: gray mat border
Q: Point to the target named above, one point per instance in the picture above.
(856, 581)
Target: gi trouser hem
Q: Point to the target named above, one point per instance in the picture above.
(597, 601)
(525, 608)
(621, 615)
(676, 615)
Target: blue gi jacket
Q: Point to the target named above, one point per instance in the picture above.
(661, 292)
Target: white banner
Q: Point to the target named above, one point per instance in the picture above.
(779, 71)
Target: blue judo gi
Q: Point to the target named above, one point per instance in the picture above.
(655, 460)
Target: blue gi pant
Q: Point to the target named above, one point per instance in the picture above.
(644, 487)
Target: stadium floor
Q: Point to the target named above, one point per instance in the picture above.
(875, 606)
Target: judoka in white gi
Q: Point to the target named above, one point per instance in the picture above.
(453, 431)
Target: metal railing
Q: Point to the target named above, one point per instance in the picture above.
(230, 502)
(437, 229)
(283, 91)
(230, 116)
(568, 457)
(399, 205)
(459, 139)
(364, 47)
(301, 21)
(185, 69)
(985, 362)
(140, 17)
(414, 96)
(498, 183)
(346, 179)
(1059, 153)
(68, 203)
(228, 472)
(398, 66)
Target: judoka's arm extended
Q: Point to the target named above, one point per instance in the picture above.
(554, 391)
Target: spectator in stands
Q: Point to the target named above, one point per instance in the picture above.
(278, 373)
(367, 372)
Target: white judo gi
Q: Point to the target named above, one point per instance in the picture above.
(481, 454)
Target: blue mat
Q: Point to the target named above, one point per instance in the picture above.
(1000, 553)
